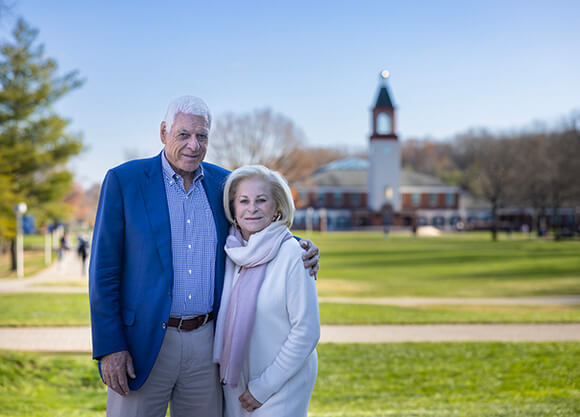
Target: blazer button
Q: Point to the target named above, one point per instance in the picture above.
(164, 325)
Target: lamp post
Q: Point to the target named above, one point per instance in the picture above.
(47, 247)
(20, 209)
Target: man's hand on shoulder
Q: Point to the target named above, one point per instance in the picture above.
(115, 367)
(311, 257)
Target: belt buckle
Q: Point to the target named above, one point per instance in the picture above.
(205, 320)
(180, 323)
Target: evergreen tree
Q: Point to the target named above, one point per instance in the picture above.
(34, 146)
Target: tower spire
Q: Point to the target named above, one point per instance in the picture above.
(384, 152)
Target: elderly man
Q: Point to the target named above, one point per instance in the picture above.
(156, 274)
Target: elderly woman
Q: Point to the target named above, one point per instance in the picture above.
(269, 325)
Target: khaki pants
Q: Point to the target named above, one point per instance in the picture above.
(183, 375)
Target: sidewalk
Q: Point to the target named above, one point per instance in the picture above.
(78, 339)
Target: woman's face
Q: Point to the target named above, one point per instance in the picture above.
(254, 206)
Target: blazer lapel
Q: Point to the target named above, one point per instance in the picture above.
(214, 190)
(153, 189)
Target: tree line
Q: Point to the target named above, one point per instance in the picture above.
(537, 169)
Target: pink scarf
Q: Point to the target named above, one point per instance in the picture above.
(235, 327)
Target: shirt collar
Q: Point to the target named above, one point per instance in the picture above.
(173, 176)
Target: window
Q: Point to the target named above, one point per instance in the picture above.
(338, 199)
(355, 199)
(383, 124)
(432, 199)
(438, 221)
(450, 199)
(320, 199)
(416, 199)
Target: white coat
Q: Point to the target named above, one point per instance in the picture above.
(281, 366)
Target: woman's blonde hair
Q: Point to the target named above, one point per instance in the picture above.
(279, 187)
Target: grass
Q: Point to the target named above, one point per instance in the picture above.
(55, 309)
(458, 265)
(412, 379)
(331, 313)
(446, 379)
(33, 264)
(44, 309)
(55, 385)
(33, 257)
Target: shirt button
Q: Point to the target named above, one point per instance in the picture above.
(189, 246)
(189, 296)
(188, 221)
(164, 326)
(189, 271)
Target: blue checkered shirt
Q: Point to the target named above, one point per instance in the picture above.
(193, 243)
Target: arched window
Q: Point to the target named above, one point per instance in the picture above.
(383, 124)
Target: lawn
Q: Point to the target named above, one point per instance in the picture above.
(33, 257)
(457, 265)
(33, 263)
(331, 313)
(44, 309)
(54, 309)
(412, 379)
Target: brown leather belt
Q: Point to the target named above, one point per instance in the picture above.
(190, 324)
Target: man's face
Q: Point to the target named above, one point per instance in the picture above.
(186, 142)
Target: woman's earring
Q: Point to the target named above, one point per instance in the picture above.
(277, 217)
(236, 225)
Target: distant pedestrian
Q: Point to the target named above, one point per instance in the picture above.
(83, 251)
(63, 247)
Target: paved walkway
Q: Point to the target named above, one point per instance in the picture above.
(78, 339)
(67, 276)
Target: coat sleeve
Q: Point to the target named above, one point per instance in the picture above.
(105, 271)
(302, 307)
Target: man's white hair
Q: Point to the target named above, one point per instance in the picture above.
(188, 105)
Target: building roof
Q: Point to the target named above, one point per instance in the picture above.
(346, 164)
(416, 179)
(384, 99)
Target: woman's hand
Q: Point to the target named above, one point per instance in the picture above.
(249, 403)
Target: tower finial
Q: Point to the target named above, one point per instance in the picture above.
(385, 74)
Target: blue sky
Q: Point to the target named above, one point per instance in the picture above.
(454, 65)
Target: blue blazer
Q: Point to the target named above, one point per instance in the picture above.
(131, 267)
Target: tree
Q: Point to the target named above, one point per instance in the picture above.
(34, 145)
(493, 164)
(532, 186)
(83, 204)
(261, 137)
(562, 154)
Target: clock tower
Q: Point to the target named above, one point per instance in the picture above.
(384, 153)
